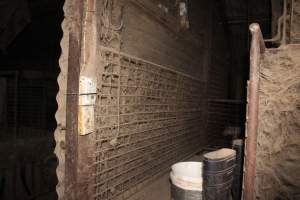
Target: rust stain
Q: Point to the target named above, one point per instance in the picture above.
(90, 6)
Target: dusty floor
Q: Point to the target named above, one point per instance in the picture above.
(160, 188)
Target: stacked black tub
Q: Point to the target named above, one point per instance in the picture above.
(238, 146)
(218, 171)
(178, 193)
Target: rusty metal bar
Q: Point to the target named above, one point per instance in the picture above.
(256, 53)
(277, 37)
(284, 28)
(280, 37)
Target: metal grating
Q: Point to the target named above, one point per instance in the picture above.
(8, 103)
(225, 115)
(28, 106)
(148, 117)
(32, 104)
(8, 99)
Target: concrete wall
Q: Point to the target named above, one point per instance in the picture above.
(147, 37)
(277, 166)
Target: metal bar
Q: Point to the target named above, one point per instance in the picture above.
(256, 51)
(167, 68)
(283, 39)
(232, 101)
(245, 21)
(16, 109)
(278, 35)
(68, 159)
(281, 27)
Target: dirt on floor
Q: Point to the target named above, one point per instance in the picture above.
(278, 150)
(159, 189)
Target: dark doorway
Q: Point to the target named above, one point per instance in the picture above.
(30, 49)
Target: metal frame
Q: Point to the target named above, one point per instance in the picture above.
(66, 134)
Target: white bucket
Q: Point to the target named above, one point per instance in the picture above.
(187, 175)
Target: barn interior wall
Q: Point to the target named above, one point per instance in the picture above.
(152, 92)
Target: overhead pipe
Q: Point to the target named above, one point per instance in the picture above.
(280, 36)
(284, 28)
(256, 53)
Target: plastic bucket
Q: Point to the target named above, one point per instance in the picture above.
(238, 146)
(186, 178)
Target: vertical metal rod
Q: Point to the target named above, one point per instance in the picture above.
(16, 107)
(283, 40)
(256, 51)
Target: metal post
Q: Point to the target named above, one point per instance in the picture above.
(257, 49)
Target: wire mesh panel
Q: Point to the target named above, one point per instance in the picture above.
(11, 101)
(225, 118)
(147, 117)
(26, 106)
(32, 105)
(8, 101)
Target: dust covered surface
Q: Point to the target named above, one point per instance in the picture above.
(278, 150)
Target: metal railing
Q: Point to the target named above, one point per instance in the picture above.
(256, 54)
